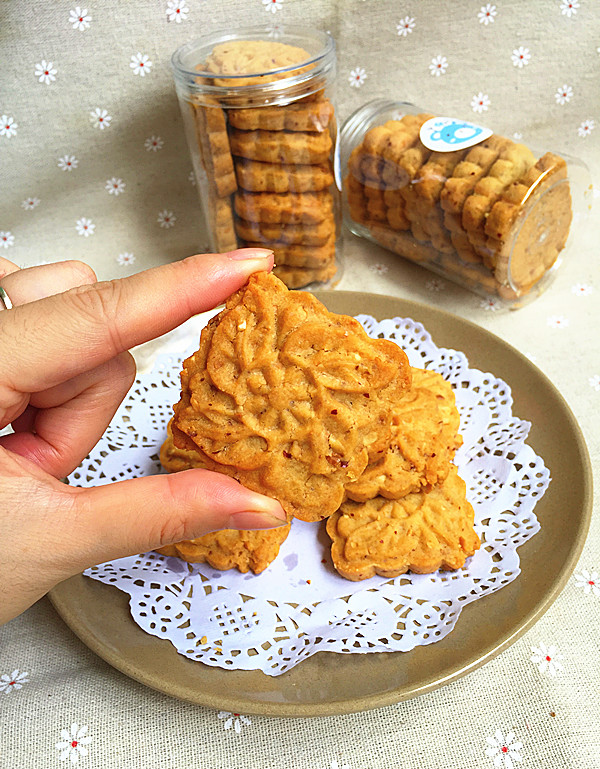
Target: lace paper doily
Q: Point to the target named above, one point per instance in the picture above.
(299, 605)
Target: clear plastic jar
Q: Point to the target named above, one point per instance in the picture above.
(261, 128)
(479, 209)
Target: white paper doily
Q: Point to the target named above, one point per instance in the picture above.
(299, 605)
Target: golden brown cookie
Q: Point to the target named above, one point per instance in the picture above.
(307, 235)
(254, 176)
(289, 398)
(529, 226)
(422, 532)
(300, 277)
(512, 163)
(298, 116)
(231, 549)
(298, 255)
(226, 549)
(425, 439)
(215, 153)
(422, 207)
(252, 58)
(222, 228)
(308, 208)
(404, 244)
(285, 148)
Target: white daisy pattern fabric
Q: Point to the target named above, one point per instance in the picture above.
(177, 11)
(405, 26)
(588, 581)
(100, 118)
(8, 127)
(12, 682)
(480, 102)
(45, 72)
(80, 19)
(30, 203)
(438, 66)
(114, 186)
(74, 743)
(166, 219)
(140, 64)
(153, 143)
(563, 94)
(233, 721)
(67, 162)
(357, 77)
(504, 750)
(85, 227)
(521, 57)
(586, 128)
(272, 6)
(547, 659)
(7, 239)
(487, 14)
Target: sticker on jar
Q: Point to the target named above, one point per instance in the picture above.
(445, 134)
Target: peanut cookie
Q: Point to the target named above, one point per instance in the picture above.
(226, 549)
(309, 208)
(425, 439)
(253, 58)
(215, 154)
(281, 147)
(422, 532)
(307, 235)
(220, 217)
(295, 255)
(255, 176)
(299, 277)
(289, 398)
(232, 549)
(529, 226)
(298, 116)
(404, 244)
(423, 206)
(510, 166)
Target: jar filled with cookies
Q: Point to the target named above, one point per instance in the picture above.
(261, 128)
(483, 210)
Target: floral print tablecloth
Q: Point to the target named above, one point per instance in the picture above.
(93, 165)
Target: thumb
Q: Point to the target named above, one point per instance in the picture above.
(138, 515)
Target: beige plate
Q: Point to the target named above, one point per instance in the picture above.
(330, 684)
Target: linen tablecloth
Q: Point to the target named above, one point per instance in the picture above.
(94, 166)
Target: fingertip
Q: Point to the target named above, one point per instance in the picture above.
(243, 254)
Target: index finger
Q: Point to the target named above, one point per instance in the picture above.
(51, 340)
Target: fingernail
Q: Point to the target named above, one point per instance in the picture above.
(250, 253)
(253, 520)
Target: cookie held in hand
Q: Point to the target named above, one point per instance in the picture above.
(288, 398)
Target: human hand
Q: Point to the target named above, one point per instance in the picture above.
(64, 370)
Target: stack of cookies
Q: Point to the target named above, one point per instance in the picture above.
(491, 216)
(268, 169)
(300, 404)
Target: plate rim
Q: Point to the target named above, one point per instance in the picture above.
(61, 595)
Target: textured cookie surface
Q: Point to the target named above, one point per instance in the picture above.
(425, 439)
(289, 398)
(253, 57)
(228, 548)
(424, 531)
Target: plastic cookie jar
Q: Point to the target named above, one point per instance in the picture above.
(261, 127)
(482, 210)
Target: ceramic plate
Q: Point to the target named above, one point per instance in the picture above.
(332, 684)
